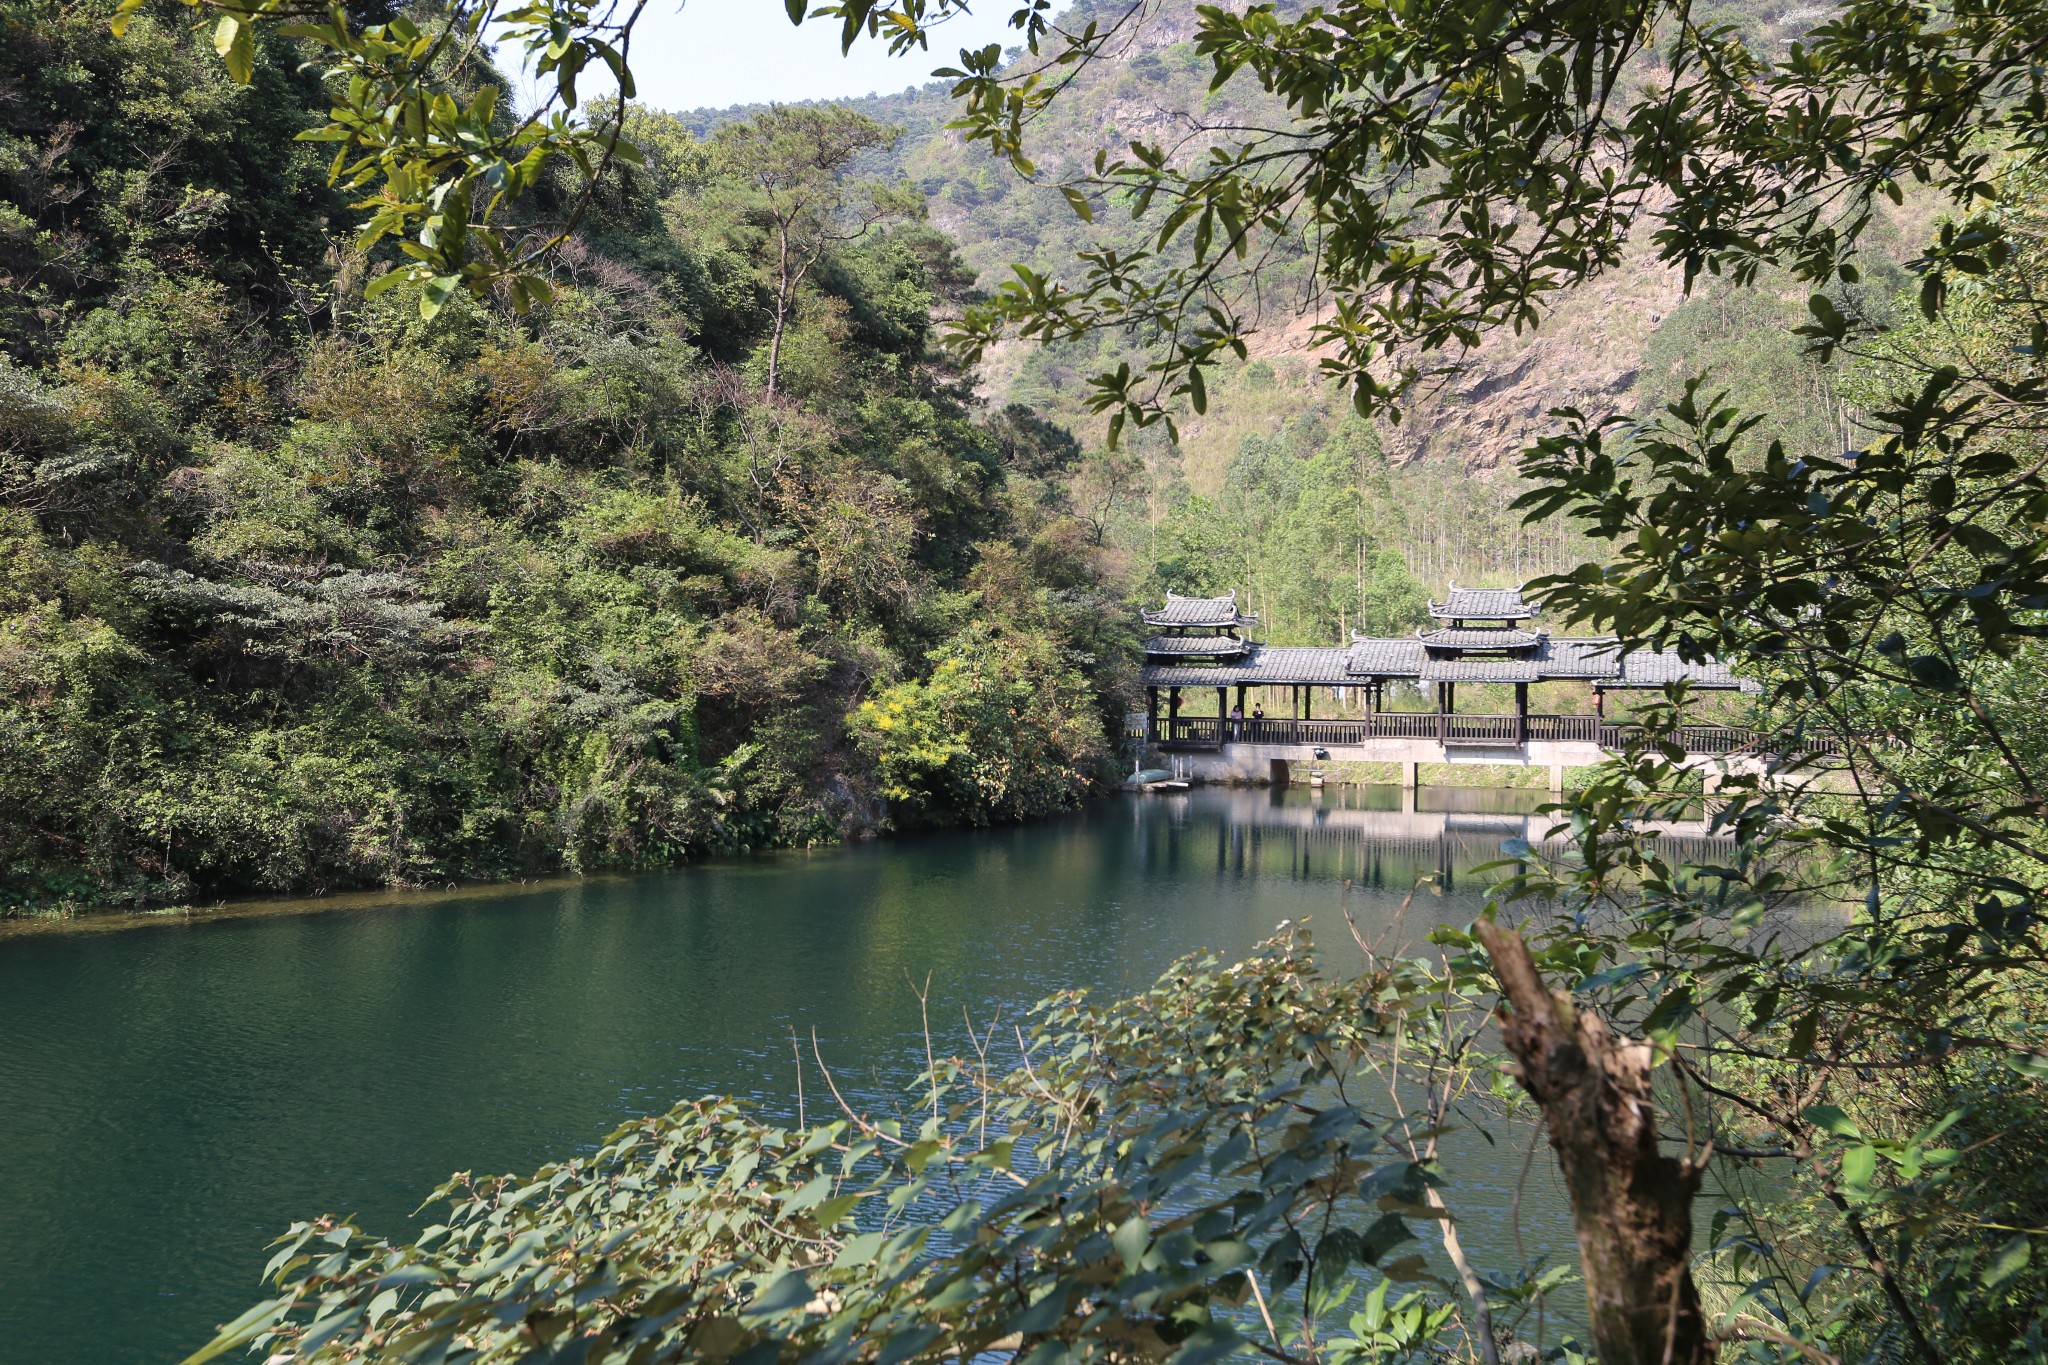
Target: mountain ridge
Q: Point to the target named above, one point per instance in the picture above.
(1610, 348)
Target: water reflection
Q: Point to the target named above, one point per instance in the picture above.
(1377, 838)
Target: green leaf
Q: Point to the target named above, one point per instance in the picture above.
(1617, 975)
(241, 1331)
(816, 1192)
(1933, 671)
(859, 1250)
(436, 294)
(1388, 1231)
(1209, 1344)
(786, 1293)
(232, 40)
(387, 281)
(1131, 1239)
(1829, 1119)
(1830, 319)
(829, 1213)
(2011, 1260)
(904, 1345)
(523, 1249)
(1044, 1314)
(127, 11)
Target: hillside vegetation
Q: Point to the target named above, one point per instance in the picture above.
(1401, 507)
(304, 591)
(298, 590)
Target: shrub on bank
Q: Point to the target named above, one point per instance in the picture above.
(1001, 729)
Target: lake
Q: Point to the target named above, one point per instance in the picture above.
(175, 1089)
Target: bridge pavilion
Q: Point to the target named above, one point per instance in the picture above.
(1475, 635)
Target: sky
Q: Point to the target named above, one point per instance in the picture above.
(714, 53)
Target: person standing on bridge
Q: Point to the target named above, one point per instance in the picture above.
(1237, 721)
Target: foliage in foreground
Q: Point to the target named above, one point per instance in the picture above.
(1217, 1164)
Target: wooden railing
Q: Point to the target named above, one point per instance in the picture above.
(1489, 730)
(1212, 732)
(1197, 732)
(1719, 740)
(1298, 732)
(1565, 729)
(1395, 725)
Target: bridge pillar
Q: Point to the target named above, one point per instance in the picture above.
(1557, 779)
(1409, 769)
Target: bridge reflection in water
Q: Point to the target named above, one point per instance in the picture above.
(1383, 839)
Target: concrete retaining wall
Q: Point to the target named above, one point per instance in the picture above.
(1255, 762)
(1282, 763)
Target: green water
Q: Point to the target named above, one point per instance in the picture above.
(174, 1091)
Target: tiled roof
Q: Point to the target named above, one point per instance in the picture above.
(1593, 659)
(1480, 670)
(1266, 666)
(1580, 657)
(1468, 638)
(1198, 611)
(1383, 658)
(1482, 604)
(1197, 646)
(1647, 668)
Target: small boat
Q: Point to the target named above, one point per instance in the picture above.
(1154, 779)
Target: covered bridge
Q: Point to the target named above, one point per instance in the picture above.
(1476, 635)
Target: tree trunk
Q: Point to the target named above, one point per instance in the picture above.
(775, 345)
(784, 288)
(1631, 1204)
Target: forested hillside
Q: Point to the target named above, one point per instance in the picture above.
(1621, 345)
(1392, 508)
(299, 590)
(302, 590)
(1319, 519)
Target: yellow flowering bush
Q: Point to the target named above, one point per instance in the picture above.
(1002, 728)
